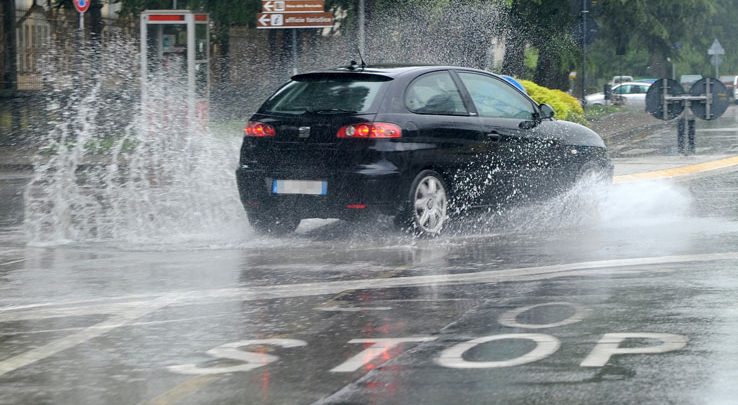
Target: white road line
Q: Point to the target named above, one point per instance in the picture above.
(125, 313)
(98, 306)
(80, 337)
(12, 262)
(147, 323)
(352, 309)
(717, 130)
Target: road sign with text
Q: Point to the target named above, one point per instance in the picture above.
(292, 6)
(294, 20)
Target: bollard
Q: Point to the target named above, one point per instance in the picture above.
(680, 136)
(690, 137)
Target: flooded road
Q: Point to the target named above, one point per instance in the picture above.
(534, 305)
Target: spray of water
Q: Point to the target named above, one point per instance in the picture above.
(113, 169)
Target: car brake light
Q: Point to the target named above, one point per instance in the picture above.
(370, 130)
(259, 129)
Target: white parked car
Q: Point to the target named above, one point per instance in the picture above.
(630, 94)
(620, 79)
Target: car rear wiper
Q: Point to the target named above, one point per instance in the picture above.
(329, 111)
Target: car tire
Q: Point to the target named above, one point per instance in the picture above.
(426, 211)
(269, 223)
(593, 171)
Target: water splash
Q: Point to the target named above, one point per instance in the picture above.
(101, 176)
(590, 204)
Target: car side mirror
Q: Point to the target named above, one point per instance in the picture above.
(547, 111)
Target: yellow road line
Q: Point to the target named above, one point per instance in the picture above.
(677, 171)
(181, 391)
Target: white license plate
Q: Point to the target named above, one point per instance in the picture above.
(312, 187)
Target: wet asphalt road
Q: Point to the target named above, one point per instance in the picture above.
(536, 306)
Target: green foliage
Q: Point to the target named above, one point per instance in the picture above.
(596, 112)
(640, 37)
(566, 106)
(531, 61)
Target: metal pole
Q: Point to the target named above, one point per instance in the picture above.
(673, 70)
(191, 75)
(144, 61)
(584, 51)
(665, 85)
(681, 124)
(294, 51)
(81, 21)
(708, 99)
(362, 23)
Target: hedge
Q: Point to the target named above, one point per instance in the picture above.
(566, 106)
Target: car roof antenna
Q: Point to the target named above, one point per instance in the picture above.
(361, 58)
(352, 65)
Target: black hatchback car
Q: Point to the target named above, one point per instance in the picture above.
(416, 142)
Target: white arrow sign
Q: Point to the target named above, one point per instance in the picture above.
(716, 48)
(264, 19)
(268, 6)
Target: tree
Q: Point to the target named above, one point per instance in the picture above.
(546, 25)
(650, 29)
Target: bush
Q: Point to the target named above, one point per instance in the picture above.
(566, 106)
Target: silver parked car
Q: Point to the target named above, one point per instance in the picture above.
(630, 94)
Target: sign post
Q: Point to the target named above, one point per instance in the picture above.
(82, 6)
(716, 52)
(293, 14)
(707, 99)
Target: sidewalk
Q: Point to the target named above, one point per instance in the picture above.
(14, 160)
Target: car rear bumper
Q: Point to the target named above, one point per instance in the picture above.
(348, 194)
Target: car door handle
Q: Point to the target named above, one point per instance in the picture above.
(494, 136)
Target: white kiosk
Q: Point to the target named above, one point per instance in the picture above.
(175, 66)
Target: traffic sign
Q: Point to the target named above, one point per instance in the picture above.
(294, 20)
(82, 5)
(655, 99)
(719, 98)
(716, 48)
(292, 6)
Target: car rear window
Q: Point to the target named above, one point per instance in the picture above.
(340, 93)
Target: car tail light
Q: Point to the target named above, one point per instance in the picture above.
(258, 129)
(356, 206)
(370, 130)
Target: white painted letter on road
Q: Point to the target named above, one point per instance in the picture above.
(231, 351)
(510, 318)
(610, 345)
(546, 345)
(380, 346)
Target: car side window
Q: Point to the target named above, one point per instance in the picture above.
(495, 98)
(624, 89)
(434, 93)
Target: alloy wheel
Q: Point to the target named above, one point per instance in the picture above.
(430, 204)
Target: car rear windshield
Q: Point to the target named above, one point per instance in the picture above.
(327, 94)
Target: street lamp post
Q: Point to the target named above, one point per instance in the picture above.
(584, 51)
